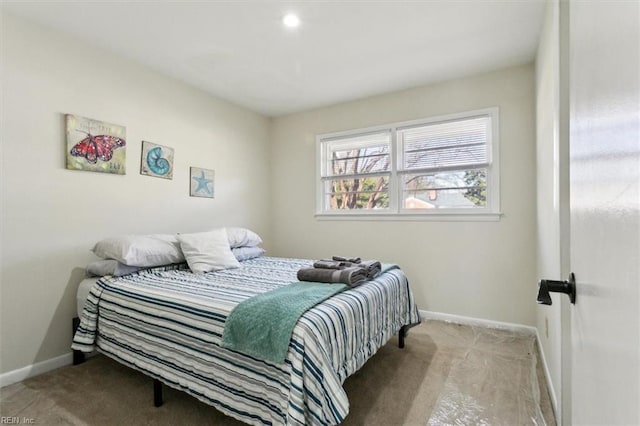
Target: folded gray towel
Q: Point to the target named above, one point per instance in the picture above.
(352, 276)
(332, 264)
(373, 268)
(346, 259)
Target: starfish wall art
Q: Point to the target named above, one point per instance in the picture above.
(202, 181)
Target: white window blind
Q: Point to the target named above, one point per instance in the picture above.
(440, 146)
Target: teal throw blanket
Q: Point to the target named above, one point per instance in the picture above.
(261, 326)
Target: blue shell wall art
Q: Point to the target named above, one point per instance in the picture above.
(156, 160)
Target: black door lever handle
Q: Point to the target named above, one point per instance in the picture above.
(566, 287)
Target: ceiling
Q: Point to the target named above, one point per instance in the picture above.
(343, 50)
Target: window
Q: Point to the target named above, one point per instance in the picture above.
(443, 166)
(356, 172)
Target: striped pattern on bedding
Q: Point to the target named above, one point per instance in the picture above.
(168, 323)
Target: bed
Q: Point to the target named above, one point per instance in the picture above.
(168, 322)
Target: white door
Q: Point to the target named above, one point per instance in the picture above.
(604, 156)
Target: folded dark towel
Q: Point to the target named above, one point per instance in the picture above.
(373, 268)
(346, 259)
(351, 276)
(332, 264)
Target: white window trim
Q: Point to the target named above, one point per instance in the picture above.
(396, 212)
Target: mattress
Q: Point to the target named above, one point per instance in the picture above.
(168, 323)
(83, 292)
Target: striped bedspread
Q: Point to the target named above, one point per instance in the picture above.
(168, 323)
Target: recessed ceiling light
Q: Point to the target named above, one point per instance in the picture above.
(291, 20)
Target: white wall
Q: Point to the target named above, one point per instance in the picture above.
(478, 269)
(548, 318)
(51, 216)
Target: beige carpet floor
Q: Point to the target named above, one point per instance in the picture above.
(446, 374)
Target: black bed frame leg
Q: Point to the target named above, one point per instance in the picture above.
(78, 356)
(401, 335)
(157, 393)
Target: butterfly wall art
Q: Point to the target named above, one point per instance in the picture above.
(95, 146)
(157, 160)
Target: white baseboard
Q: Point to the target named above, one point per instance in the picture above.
(459, 319)
(23, 373)
(547, 377)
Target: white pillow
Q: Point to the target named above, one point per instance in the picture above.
(243, 237)
(141, 250)
(208, 251)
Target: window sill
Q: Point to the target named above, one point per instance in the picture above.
(418, 217)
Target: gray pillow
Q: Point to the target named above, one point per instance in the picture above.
(100, 268)
(246, 253)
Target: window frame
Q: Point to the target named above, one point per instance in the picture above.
(396, 211)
